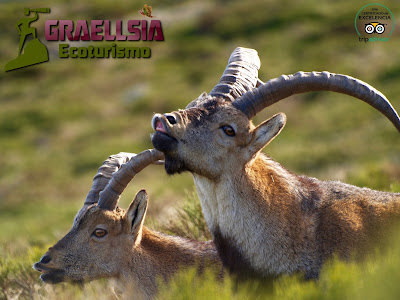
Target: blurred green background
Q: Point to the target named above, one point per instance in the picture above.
(61, 119)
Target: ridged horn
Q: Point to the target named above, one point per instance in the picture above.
(253, 101)
(109, 197)
(240, 75)
(104, 174)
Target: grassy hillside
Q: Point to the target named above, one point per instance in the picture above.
(60, 120)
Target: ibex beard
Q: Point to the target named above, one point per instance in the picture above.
(264, 219)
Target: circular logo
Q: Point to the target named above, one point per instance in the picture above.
(374, 20)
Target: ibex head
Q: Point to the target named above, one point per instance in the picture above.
(102, 234)
(215, 133)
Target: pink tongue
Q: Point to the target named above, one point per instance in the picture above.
(160, 127)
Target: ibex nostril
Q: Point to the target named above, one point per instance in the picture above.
(45, 259)
(171, 119)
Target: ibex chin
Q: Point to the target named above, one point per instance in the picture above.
(106, 241)
(264, 219)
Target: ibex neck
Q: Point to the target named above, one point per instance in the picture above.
(242, 210)
(269, 178)
(173, 251)
(261, 182)
(161, 256)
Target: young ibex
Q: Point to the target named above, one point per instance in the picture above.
(264, 219)
(106, 241)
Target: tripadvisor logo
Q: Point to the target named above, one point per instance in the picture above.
(374, 23)
(36, 52)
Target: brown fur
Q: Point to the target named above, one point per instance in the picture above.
(358, 220)
(331, 217)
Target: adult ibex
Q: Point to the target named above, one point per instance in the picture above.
(263, 218)
(106, 241)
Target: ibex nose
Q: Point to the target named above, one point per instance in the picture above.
(171, 118)
(45, 259)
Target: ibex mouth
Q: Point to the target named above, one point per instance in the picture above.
(49, 275)
(162, 139)
(39, 267)
(159, 125)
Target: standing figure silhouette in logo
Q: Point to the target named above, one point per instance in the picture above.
(24, 29)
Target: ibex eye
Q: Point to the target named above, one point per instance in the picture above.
(228, 130)
(99, 233)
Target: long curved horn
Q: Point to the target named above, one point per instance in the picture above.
(105, 172)
(240, 75)
(109, 197)
(280, 88)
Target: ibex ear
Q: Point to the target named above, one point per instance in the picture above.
(136, 212)
(195, 102)
(266, 132)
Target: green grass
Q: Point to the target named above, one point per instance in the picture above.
(189, 221)
(60, 120)
(375, 279)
